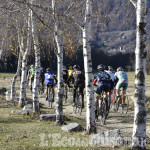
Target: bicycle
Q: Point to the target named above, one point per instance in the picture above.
(78, 102)
(40, 89)
(103, 107)
(49, 94)
(123, 101)
(71, 83)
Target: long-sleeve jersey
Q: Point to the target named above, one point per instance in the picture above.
(102, 76)
(50, 77)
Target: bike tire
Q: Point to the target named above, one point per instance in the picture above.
(117, 104)
(125, 105)
(49, 97)
(103, 113)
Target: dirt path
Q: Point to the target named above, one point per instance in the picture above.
(124, 122)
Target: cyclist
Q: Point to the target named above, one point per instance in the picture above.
(50, 78)
(70, 77)
(79, 81)
(122, 81)
(104, 83)
(70, 71)
(110, 72)
(30, 76)
(65, 77)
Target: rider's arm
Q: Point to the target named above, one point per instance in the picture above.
(94, 82)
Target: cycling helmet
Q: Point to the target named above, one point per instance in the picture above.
(32, 66)
(105, 67)
(110, 68)
(70, 67)
(119, 69)
(76, 67)
(48, 70)
(101, 67)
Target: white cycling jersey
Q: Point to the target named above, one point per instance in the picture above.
(111, 75)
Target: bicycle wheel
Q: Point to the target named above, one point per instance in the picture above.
(125, 104)
(103, 113)
(108, 103)
(79, 105)
(40, 88)
(49, 97)
(117, 104)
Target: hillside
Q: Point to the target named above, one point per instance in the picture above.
(115, 27)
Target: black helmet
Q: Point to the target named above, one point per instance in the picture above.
(119, 69)
(105, 67)
(110, 68)
(48, 70)
(76, 67)
(101, 67)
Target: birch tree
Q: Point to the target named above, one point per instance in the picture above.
(139, 128)
(59, 44)
(36, 107)
(90, 115)
(24, 61)
(13, 92)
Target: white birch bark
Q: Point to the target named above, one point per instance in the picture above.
(139, 129)
(90, 114)
(59, 107)
(24, 65)
(13, 92)
(36, 107)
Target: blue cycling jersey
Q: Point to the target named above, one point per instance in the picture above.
(50, 77)
(102, 76)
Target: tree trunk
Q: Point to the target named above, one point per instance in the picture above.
(59, 107)
(24, 64)
(23, 82)
(36, 107)
(15, 77)
(139, 129)
(90, 114)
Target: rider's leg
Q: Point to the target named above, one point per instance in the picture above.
(97, 92)
(96, 106)
(53, 91)
(74, 94)
(46, 93)
(81, 88)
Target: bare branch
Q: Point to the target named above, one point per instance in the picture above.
(134, 3)
(72, 4)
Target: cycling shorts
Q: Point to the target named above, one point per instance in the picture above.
(51, 84)
(65, 80)
(123, 85)
(103, 86)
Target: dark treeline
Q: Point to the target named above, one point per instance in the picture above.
(48, 59)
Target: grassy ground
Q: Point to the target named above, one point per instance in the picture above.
(19, 132)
